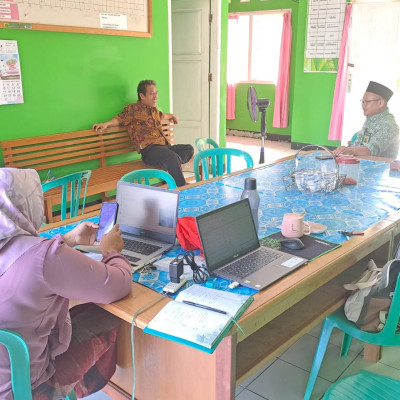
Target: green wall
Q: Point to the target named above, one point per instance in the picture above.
(224, 50)
(243, 121)
(71, 81)
(311, 94)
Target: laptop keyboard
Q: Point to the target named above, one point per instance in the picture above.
(140, 247)
(250, 263)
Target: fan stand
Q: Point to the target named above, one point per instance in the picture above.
(262, 105)
(255, 105)
(263, 136)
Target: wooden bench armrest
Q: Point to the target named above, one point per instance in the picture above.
(168, 130)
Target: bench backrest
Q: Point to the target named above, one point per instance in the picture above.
(46, 152)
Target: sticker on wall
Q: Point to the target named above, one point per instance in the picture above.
(10, 73)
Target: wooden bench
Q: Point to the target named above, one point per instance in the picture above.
(86, 149)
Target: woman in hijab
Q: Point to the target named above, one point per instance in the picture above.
(68, 350)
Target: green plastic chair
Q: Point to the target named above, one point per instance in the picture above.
(19, 359)
(386, 337)
(364, 386)
(201, 143)
(215, 162)
(352, 140)
(20, 365)
(74, 181)
(145, 175)
(205, 143)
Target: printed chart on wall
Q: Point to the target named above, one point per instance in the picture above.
(110, 17)
(324, 34)
(10, 73)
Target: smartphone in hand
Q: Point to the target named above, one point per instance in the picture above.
(108, 217)
(324, 157)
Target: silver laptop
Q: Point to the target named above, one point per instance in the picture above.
(232, 250)
(147, 217)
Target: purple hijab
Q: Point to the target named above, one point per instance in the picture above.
(21, 209)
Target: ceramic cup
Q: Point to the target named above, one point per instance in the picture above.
(294, 226)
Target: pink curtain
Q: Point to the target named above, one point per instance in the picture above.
(336, 125)
(231, 87)
(281, 108)
(230, 101)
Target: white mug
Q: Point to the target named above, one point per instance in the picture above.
(294, 226)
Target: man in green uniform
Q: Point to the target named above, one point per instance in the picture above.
(379, 135)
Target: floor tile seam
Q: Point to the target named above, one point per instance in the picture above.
(258, 375)
(305, 370)
(252, 391)
(388, 365)
(343, 372)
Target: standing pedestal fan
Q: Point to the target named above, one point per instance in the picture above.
(255, 106)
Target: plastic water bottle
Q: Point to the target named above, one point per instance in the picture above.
(250, 192)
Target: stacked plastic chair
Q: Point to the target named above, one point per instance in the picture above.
(218, 162)
(70, 184)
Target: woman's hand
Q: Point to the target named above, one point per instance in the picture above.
(112, 241)
(84, 234)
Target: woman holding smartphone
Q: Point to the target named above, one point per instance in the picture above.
(69, 349)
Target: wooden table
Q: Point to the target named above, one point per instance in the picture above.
(278, 316)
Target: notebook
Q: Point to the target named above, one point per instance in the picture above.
(147, 217)
(232, 250)
(199, 317)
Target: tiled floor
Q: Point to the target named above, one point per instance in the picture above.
(285, 378)
(273, 150)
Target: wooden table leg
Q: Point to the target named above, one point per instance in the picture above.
(372, 352)
(168, 370)
(48, 211)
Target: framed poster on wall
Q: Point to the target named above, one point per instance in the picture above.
(116, 17)
(324, 34)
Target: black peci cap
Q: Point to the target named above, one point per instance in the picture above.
(380, 90)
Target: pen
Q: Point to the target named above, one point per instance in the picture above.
(190, 303)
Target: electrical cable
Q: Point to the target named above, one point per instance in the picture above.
(200, 273)
(145, 307)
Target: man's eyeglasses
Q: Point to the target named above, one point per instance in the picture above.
(365, 102)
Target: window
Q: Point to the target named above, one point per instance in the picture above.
(254, 41)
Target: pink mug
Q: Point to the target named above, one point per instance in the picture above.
(293, 226)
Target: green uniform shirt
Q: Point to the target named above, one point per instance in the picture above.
(380, 134)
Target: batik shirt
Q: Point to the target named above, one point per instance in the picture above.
(380, 134)
(144, 125)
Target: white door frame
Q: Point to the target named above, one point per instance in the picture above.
(215, 66)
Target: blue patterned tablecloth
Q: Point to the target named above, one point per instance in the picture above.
(358, 207)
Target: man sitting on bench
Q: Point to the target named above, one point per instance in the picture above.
(143, 121)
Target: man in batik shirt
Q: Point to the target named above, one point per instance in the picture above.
(143, 121)
(380, 134)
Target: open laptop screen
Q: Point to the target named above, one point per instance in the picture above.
(227, 233)
(147, 210)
